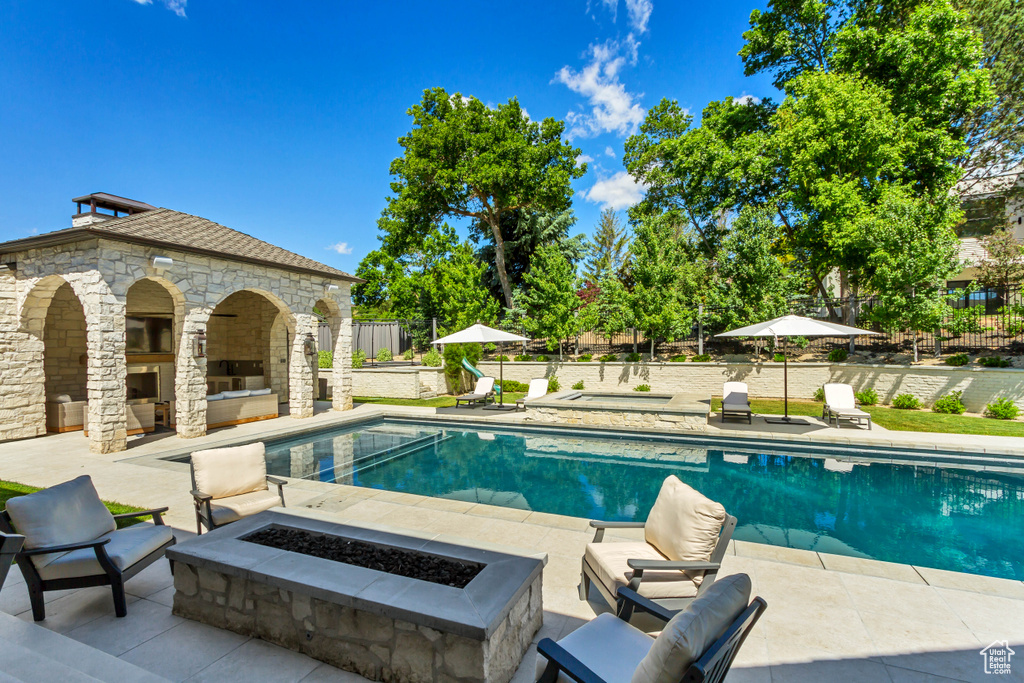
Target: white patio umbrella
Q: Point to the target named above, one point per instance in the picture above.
(793, 326)
(481, 334)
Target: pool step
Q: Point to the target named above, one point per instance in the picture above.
(382, 456)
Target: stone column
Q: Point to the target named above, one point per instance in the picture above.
(107, 369)
(341, 375)
(301, 373)
(190, 377)
(22, 399)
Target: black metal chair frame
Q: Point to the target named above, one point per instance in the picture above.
(203, 502)
(711, 667)
(111, 576)
(10, 544)
(710, 568)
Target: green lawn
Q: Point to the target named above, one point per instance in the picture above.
(11, 489)
(898, 420)
(439, 402)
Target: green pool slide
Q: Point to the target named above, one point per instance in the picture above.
(478, 374)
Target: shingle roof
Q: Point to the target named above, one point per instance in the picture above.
(175, 229)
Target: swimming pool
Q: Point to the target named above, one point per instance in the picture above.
(796, 495)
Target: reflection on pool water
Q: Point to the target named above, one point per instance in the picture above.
(947, 518)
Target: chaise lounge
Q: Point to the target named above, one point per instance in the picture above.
(483, 391)
(538, 388)
(841, 404)
(735, 402)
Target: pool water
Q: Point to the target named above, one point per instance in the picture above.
(942, 517)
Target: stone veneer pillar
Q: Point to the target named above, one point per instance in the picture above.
(341, 374)
(301, 373)
(22, 400)
(107, 369)
(190, 377)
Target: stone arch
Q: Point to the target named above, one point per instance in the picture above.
(341, 372)
(155, 296)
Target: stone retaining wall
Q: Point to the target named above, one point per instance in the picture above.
(408, 382)
(980, 385)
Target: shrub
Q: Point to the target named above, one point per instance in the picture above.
(585, 358)
(542, 359)
(633, 357)
(837, 355)
(681, 358)
(966, 321)
(958, 359)
(608, 358)
(553, 384)
(512, 385)
(779, 357)
(409, 354)
(358, 358)
(502, 358)
(489, 347)
(384, 355)
(453, 355)
(642, 387)
(432, 358)
(868, 397)
(523, 357)
(799, 342)
(578, 386)
(325, 359)
(701, 358)
(1014, 326)
(906, 402)
(819, 394)
(950, 404)
(993, 362)
(1002, 409)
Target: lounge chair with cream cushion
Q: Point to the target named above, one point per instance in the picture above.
(841, 404)
(735, 402)
(538, 388)
(685, 538)
(483, 391)
(72, 541)
(697, 645)
(231, 483)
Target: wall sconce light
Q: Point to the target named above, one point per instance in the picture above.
(199, 344)
(309, 346)
(331, 288)
(162, 262)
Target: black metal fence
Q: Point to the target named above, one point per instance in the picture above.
(983, 320)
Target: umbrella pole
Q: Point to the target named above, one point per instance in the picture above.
(501, 373)
(785, 379)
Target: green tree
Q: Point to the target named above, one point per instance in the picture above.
(791, 37)
(1003, 267)
(550, 298)
(458, 290)
(464, 159)
(607, 250)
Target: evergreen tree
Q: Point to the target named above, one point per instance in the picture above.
(608, 249)
(550, 298)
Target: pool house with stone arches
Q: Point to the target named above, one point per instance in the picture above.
(137, 314)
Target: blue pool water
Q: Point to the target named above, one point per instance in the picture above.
(943, 517)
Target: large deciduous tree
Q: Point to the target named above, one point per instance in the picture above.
(464, 159)
(1003, 266)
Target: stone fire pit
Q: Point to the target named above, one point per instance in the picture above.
(382, 626)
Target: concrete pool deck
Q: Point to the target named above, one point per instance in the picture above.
(829, 617)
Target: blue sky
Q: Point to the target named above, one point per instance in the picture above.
(280, 119)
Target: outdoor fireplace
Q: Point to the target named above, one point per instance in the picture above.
(383, 626)
(143, 384)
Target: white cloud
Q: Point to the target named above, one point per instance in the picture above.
(176, 6)
(746, 99)
(617, 192)
(639, 14)
(612, 107)
(341, 247)
(609, 152)
(584, 159)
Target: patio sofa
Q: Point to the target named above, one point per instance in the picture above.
(64, 415)
(141, 418)
(238, 407)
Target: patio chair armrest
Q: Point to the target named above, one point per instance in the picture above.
(600, 526)
(67, 547)
(154, 513)
(200, 496)
(638, 601)
(654, 565)
(277, 481)
(559, 659)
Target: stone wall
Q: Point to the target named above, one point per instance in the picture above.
(64, 337)
(376, 647)
(100, 273)
(980, 385)
(408, 382)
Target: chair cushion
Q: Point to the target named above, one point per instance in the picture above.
(608, 560)
(683, 524)
(127, 547)
(691, 632)
(239, 393)
(259, 392)
(224, 472)
(215, 397)
(609, 647)
(227, 510)
(71, 512)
